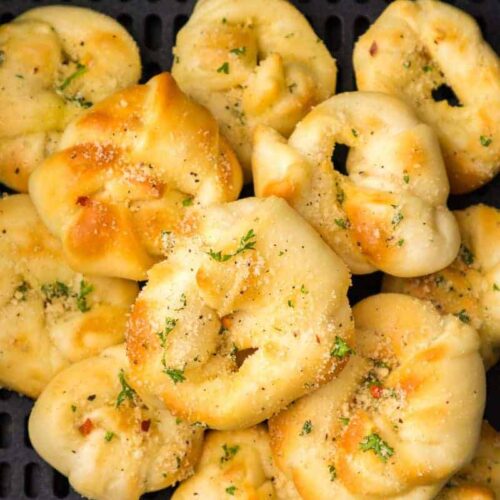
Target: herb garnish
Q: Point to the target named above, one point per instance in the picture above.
(81, 298)
(224, 68)
(378, 445)
(175, 374)
(127, 392)
(229, 452)
(306, 428)
(247, 242)
(341, 348)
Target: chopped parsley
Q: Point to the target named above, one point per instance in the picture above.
(291, 87)
(55, 290)
(229, 452)
(333, 472)
(400, 242)
(485, 141)
(127, 392)
(247, 242)
(290, 303)
(354, 132)
(80, 100)
(406, 178)
(466, 255)
(398, 217)
(238, 51)
(376, 444)
(21, 77)
(80, 70)
(175, 374)
(342, 223)
(81, 298)
(372, 380)
(187, 202)
(406, 64)
(22, 290)
(340, 194)
(230, 490)
(224, 68)
(426, 68)
(73, 408)
(109, 436)
(496, 288)
(340, 348)
(462, 316)
(306, 428)
(170, 324)
(344, 420)
(304, 290)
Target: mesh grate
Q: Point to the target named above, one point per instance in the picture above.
(154, 24)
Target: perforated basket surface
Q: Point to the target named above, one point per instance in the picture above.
(154, 24)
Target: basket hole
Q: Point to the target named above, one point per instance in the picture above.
(26, 437)
(361, 24)
(150, 69)
(6, 17)
(179, 22)
(126, 21)
(5, 430)
(5, 480)
(32, 480)
(152, 32)
(445, 93)
(339, 158)
(333, 33)
(60, 485)
(4, 393)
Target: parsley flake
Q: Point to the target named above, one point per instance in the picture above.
(466, 255)
(398, 217)
(127, 392)
(175, 374)
(238, 51)
(341, 348)
(306, 428)
(426, 68)
(496, 288)
(401, 242)
(375, 443)
(229, 452)
(304, 290)
(354, 132)
(290, 303)
(333, 472)
(247, 242)
(485, 141)
(406, 64)
(187, 202)
(230, 490)
(224, 68)
(462, 316)
(109, 436)
(170, 324)
(342, 223)
(22, 290)
(406, 178)
(80, 70)
(344, 420)
(55, 290)
(81, 298)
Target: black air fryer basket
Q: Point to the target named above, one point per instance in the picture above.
(154, 24)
